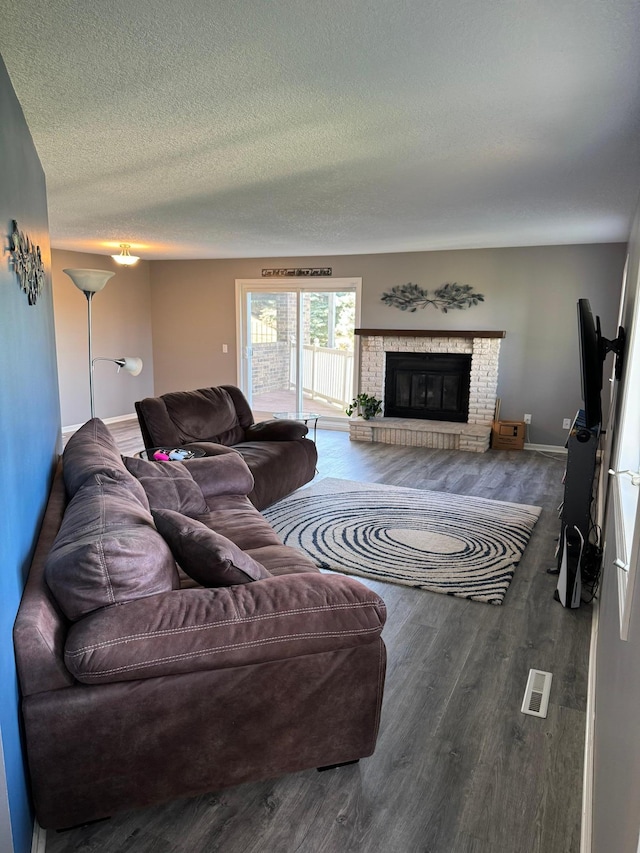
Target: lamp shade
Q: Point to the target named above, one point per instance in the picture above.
(89, 281)
(132, 364)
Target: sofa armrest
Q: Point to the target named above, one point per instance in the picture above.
(276, 429)
(223, 474)
(209, 448)
(204, 629)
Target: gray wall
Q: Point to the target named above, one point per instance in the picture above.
(616, 806)
(193, 314)
(30, 429)
(531, 293)
(121, 323)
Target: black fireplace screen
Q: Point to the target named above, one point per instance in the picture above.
(433, 386)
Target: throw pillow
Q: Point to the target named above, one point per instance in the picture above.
(168, 485)
(208, 557)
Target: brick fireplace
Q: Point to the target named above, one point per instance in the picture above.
(475, 434)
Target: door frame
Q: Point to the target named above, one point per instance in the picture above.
(282, 285)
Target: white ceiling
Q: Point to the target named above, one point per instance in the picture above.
(250, 128)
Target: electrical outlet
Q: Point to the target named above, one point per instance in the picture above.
(566, 423)
(527, 419)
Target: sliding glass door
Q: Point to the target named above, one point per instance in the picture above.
(297, 345)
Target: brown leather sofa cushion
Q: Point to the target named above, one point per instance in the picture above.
(188, 487)
(226, 474)
(92, 450)
(208, 414)
(107, 551)
(282, 559)
(202, 629)
(276, 430)
(168, 485)
(278, 467)
(206, 556)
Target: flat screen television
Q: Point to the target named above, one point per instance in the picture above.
(593, 351)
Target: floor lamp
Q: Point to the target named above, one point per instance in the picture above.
(91, 282)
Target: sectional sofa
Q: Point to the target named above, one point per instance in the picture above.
(168, 644)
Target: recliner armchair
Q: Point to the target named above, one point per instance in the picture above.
(276, 451)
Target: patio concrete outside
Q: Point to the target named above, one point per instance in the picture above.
(265, 405)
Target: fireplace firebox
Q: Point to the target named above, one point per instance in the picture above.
(432, 386)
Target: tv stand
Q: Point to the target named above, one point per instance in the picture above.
(582, 447)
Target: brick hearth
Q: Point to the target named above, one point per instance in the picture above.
(475, 435)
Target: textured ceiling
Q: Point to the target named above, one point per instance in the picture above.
(249, 128)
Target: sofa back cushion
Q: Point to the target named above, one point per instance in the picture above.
(208, 414)
(107, 550)
(92, 450)
(206, 556)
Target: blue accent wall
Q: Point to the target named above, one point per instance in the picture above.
(29, 424)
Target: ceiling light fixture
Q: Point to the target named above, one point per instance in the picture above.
(124, 257)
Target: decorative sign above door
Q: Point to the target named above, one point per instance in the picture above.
(296, 272)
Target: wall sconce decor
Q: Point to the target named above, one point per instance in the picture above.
(27, 262)
(91, 282)
(125, 258)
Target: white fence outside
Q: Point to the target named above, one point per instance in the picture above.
(327, 374)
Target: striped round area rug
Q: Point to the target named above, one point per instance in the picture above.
(454, 544)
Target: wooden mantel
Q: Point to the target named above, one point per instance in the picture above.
(428, 333)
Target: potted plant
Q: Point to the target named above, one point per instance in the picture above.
(365, 406)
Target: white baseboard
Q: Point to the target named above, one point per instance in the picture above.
(587, 780)
(38, 839)
(547, 448)
(75, 427)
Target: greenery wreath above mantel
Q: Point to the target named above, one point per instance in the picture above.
(409, 297)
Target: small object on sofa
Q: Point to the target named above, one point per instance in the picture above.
(180, 454)
(163, 454)
(215, 419)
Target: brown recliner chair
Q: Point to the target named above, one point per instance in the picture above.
(279, 456)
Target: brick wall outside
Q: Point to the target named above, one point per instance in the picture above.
(270, 367)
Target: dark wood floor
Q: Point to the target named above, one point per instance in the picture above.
(458, 768)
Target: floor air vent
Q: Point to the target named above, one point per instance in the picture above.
(536, 696)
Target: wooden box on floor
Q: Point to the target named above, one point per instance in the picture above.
(507, 435)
